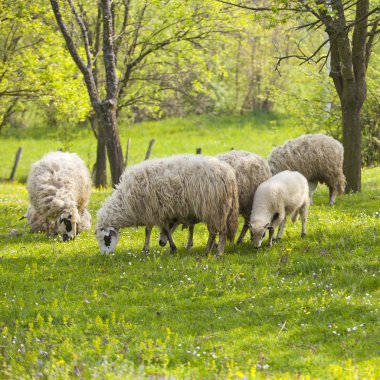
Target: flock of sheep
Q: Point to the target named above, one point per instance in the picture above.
(188, 189)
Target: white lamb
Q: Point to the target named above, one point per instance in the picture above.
(59, 187)
(187, 188)
(284, 194)
(318, 157)
(250, 170)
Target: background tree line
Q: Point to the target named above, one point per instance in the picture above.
(76, 63)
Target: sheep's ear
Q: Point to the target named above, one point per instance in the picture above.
(275, 216)
(23, 217)
(113, 233)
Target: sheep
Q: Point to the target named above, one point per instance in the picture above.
(284, 194)
(187, 188)
(318, 157)
(37, 223)
(59, 187)
(251, 170)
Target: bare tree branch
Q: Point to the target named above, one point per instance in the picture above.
(371, 38)
(86, 71)
(83, 30)
(109, 52)
(258, 9)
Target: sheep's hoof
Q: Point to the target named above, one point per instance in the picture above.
(189, 246)
(303, 234)
(145, 251)
(173, 250)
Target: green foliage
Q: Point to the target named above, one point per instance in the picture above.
(305, 308)
(36, 66)
(371, 114)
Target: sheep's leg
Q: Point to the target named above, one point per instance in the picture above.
(210, 242)
(148, 231)
(221, 244)
(332, 195)
(270, 239)
(312, 188)
(190, 235)
(281, 229)
(173, 247)
(303, 214)
(242, 233)
(162, 239)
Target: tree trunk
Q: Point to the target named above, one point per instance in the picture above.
(100, 179)
(352, 147)
(99, 171)
(106, 114)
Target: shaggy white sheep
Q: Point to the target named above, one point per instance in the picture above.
(37, 223)
(318, 157)
(59, 187)
(250, 170)
(185, 188)
(284, 194)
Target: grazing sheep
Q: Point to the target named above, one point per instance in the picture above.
(284, 194)
(37, 223)
(185, 188)
(251, 170)
(59, 187)
(318, 157)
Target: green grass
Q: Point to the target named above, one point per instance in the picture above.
(303, 309)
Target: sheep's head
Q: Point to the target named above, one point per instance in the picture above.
(67, 224)
(258, 231)
(107, 239)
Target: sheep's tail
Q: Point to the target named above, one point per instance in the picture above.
(233, 216)
(341, 184)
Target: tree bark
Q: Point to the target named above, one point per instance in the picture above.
(352, 147)
(108, 109)
(100, 169)
(106, 114)
(348, 71)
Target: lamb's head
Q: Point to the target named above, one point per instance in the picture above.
(68, 224)
(107, 239)
(258, 231)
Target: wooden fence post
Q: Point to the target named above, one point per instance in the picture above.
(127, 152)
(151, 142)
(17, 159)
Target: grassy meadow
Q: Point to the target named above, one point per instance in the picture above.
(304, 309)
